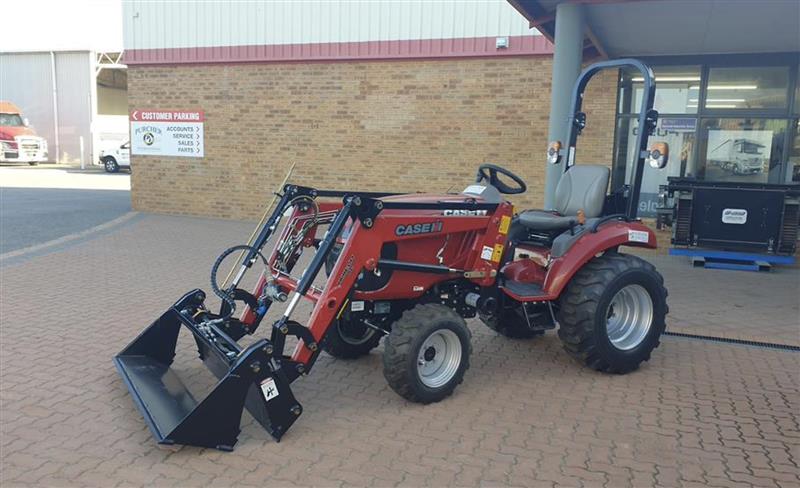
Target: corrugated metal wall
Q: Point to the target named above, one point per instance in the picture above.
(154, 25)
(74, 78)
(26, 80)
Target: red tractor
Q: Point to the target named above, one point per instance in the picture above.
(410, 268)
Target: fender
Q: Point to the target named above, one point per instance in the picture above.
(608, 236)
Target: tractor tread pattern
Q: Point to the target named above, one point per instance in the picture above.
(579, 306)
(399, 342)
(338, 348)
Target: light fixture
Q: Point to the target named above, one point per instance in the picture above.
(670, 78)
(721, 105)
(722, 100)
(727, 87)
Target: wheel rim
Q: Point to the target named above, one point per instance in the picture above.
(629, 317)
(109, 166)
(439, 358)
(354, 334)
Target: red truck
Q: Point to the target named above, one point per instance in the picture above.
(19, 142)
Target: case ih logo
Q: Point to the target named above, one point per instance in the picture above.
(411, 229)
(468, 213)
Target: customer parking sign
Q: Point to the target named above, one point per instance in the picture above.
(167, 133)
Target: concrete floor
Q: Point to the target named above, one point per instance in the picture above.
(41, 204)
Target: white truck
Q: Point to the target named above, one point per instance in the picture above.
(115, 158)
(743, 156)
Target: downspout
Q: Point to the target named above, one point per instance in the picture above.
(55, 103)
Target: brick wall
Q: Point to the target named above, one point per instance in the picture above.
(398, 125)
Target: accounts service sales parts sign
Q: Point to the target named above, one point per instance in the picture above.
(167, 133)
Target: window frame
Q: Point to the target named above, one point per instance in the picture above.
(789, 113)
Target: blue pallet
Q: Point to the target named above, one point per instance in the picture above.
(743, 261)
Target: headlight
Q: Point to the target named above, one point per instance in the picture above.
(9, 146)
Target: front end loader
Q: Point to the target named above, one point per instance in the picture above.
(408, 269)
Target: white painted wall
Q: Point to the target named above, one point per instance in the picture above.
(152, 25)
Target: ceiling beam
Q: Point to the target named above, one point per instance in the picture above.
(542, 20)
(596, 42)
(604, 2)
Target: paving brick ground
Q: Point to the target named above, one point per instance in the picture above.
(698, 414)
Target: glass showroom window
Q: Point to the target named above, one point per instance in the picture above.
(679, 133)
(676, 87)
(742, 150)
(794, 153)
(762, 87)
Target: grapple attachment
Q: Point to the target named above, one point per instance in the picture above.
(248, 378)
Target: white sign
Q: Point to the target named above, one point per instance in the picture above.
(734, 216)
(167, 133)
(638, 236)
(269, 388)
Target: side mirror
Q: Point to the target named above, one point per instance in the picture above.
(26, 122)
(658, 155)
(554, 152)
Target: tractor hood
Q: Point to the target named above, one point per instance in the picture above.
(477, 193)
(432, 198)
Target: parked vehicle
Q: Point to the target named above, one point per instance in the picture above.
(408, 269)
(114, 159)
(744, 156)
(18, 140)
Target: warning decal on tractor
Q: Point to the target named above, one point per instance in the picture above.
(497, 253)
(505, 222)
(486, 253)
(269, 388)
(638, 236)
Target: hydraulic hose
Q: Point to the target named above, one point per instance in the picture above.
(227, 295)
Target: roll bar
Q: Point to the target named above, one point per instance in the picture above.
(648, 117)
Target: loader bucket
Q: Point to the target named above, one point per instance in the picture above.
(248, 379)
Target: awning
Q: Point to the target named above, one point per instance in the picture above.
(619, 28)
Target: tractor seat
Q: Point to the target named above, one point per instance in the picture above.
(581, 187)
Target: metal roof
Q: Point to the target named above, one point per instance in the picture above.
(617, 28)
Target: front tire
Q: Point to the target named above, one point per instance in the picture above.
(33, 163)
(427, 353)
(350, 339)
(613, 312)
(110, 165)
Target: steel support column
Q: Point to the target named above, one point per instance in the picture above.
(570, 27)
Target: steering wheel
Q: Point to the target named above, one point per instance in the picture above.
(489, 173)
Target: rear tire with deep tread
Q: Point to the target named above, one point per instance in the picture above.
(585, 307)
(338, 345)
(403, 346)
